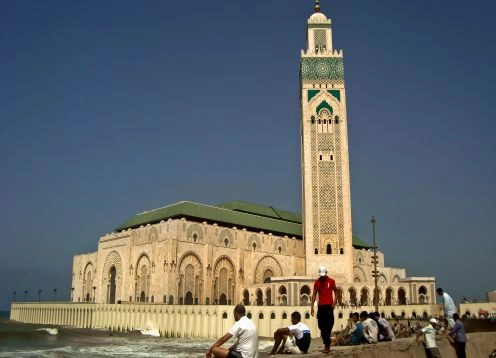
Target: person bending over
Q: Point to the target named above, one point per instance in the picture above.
(293, 339)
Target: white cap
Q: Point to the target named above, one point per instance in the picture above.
(433, 320)
(322, 271)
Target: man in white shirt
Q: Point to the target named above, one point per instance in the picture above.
(370, 329)
(429, 333)
(245, 333)
(449, 308)
(292, 339)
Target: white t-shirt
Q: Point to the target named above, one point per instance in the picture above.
(298, 329)
(370, 330)
(387, 327)
(448, 305)
(245, 333)
(430, 336)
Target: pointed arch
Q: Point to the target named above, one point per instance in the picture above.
(224, 279)
(113, 278)
(190, 278)
(142, 277)
(88, 277)
(267, 267)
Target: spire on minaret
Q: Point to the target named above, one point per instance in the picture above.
(317, 6)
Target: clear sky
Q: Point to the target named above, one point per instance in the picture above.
(110, 108)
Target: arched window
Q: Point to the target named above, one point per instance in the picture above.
(328, 249)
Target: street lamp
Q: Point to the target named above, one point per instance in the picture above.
(72, 293)
(94, 288)
(25, 295)
(374, 261)
(14, 294)
(54, 293)
(39, 295)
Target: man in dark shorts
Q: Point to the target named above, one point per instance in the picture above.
(292, 339)
(245, 333)
(325, 287)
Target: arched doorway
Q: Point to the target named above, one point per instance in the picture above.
(259, 297)
(112, 285)
(353, 296)
(389, 296)
(142, 296)
(223, 299)
(246, 297)
(364, 297)
(188, 298)
(401, 296)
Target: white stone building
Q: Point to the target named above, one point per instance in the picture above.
(189, 253)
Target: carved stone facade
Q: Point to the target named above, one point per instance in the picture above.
(254, 254)
(184, 262)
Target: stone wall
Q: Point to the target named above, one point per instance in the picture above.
(205, 321)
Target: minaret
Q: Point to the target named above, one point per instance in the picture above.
(326, 197)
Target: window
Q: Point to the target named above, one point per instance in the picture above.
(328, 249)
(226, 241)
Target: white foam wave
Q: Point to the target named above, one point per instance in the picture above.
(50, 331)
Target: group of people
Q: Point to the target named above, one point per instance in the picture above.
(365, 328)
(294, 338)
(455, 333)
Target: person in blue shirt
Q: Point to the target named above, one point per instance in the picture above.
(458, 333)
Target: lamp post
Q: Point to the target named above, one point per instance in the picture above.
(14, 295)
(374, 261)
(72, 294)
(25, 295)
(39, 295)
(54, 293)
(94, 288)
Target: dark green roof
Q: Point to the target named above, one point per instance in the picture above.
(360, 244)
(215, 214)
(261, 210)
(238, 213)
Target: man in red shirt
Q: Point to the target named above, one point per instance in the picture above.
(325, 287)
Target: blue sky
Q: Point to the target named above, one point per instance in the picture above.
(111, 108)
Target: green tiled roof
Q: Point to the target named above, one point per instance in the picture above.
(215, 214)
(261, 210)
(234, 213)
(359, 243)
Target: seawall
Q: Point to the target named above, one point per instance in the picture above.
(200, 321)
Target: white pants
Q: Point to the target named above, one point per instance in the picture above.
(291, 347)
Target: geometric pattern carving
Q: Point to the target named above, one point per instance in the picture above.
(153, 234)
(113, 260)
(226, 238)
(320, 38)
(322, 69)
(279, 246)
(267, 263)
(224, 280)
(194, 233)
(254, 243)
(190, 273)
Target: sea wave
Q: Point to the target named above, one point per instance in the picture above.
(50, 331)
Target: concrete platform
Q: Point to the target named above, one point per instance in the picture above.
(478, 345)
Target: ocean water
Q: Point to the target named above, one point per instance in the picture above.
(34, 340)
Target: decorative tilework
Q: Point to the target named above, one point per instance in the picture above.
(322, 105)
(322, 69)
(320, 38)
(336, 94)
(312, 93)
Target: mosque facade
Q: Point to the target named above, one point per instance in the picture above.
(194, 254)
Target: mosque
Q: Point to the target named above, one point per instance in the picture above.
(190, 253)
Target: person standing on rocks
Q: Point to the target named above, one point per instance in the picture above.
(325, 288)
(449, 308)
